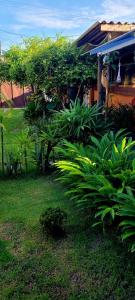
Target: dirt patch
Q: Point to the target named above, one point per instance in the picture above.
(5, 229)
(15, 233)
(77, 280)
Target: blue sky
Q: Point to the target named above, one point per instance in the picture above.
(49, 17)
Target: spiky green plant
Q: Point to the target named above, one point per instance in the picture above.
(25, 143)
(127, 213)
(79, 122)
(46, 135)
(13, 160)
(97, 174)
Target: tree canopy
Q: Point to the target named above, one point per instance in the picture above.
(50, 65)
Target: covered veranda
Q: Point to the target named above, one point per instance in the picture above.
(124, 48)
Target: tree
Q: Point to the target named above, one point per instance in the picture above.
(67, 68)
(17, 74)
(4, 76)
(54, 66)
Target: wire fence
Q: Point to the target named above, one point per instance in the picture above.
(16, 158)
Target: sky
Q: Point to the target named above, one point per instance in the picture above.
(25, 18)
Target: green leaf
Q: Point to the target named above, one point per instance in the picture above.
(96, 224)
(127, 223)
(127, 234)
(106, 211)
(123, 144)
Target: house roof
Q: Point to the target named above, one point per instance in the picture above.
(125, 40)
(99, 31)
(92, 35)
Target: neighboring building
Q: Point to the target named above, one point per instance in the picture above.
(118, 90)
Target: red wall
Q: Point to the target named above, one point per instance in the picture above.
(20, 100)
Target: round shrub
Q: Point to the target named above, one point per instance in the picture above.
(53, 221)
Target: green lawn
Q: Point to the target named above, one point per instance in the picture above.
(13, 123)
(84, 265)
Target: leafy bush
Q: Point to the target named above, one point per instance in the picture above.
(79, 122)
(46, 135)
(34, 108)
(19, 155)
(37, 107)
(127, 212)
(98, 175)
(53, 221)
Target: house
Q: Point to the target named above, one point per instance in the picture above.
(120, 88)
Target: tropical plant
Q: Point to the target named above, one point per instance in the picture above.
(80, 122)
(38, 107)
(113, 153)
(126, 211)
(46, 134)
(109, 153)
(98, 174)
(49, 139)
(13, 163)
(74, 124)
(25, 143)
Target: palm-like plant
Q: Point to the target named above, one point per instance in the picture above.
(25, 142)
(48, 139)
(98, 174)
(127, 212)
(46, 136)
(112, 153)
(80, 122)
(13, 160)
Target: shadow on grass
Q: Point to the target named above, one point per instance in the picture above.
(5, 255)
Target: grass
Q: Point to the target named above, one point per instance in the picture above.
(85, 265)
(13, 123)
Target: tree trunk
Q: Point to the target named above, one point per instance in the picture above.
(78, 92)
(12, 93)
(99, 84)
(32, 88)
(2, 148)
(23, 96)
(0, 96)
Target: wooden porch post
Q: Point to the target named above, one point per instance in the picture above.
(107, 87)
(99, 84)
